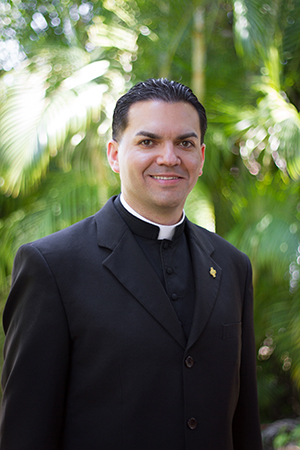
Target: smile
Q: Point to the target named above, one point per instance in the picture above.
(157, 177)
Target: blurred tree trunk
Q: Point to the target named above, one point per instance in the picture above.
(198, 54)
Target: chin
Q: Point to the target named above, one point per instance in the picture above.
(170, 202)
(169, 205)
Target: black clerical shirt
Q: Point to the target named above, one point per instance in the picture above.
(171, 261)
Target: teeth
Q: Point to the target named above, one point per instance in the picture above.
(164, 178)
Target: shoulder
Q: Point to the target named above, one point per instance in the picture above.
(76, 240)
(211, 240)
(222, 251)
(73, 236)
(78, 235)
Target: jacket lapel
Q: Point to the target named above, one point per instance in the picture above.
(207, 280)
(130, 266)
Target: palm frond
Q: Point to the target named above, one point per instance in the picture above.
(271, 129)
(275, 128)
(266, 225)
(34, 126)
(61, 200)
(254, 25)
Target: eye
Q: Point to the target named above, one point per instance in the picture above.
(186, 144)
(146, 142)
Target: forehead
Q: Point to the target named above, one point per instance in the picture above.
(158, 115)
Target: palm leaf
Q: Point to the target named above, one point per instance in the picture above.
(254, 25)
(61, 200)
(34, 126)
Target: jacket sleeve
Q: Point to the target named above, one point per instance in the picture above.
(246, 425)
(36, 357)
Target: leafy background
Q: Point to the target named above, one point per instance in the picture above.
(64, 63)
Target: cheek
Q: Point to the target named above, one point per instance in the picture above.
(130, 169)
(193, 164)
(139, 163)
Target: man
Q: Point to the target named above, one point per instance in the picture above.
(132, 330)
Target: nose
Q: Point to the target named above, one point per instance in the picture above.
(168, 156)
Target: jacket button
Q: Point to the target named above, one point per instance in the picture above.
(192, 423)
(169, 270)
(189, 361)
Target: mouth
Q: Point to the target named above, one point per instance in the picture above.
(159, 177)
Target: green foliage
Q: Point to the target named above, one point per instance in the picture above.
(284, 438)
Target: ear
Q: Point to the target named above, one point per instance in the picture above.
(113, 155)
(202, 159)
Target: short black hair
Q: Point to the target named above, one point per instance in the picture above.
(155, 89)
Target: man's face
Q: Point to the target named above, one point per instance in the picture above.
(159, 157)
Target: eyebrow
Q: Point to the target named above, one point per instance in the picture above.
(157, 136)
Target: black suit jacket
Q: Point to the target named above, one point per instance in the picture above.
(95, 358)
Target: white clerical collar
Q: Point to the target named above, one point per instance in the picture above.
(165, 231)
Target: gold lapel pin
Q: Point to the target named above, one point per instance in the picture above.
(213, 272)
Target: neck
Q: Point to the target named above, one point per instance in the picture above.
(155, 219)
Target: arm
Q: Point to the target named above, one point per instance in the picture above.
(36, 354)
(246, 426)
